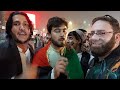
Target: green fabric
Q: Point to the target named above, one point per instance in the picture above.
(102, 70)
(73, 68)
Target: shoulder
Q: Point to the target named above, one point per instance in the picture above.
(114, 71)
(40, 57)
(40, 53)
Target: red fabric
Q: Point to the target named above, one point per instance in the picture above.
(40, 58)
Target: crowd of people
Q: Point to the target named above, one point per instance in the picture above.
(60, 54)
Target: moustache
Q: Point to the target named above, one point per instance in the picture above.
(61, 39)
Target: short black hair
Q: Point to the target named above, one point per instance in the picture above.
(56, 22)
(9, 23)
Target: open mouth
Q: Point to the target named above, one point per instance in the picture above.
(22, 33)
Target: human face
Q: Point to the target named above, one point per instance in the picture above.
(58, 35)
(85, 46)
(72, 41)
(20, 29)
(102, 42)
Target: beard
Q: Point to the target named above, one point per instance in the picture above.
(19, 41)
(104, 49)
(57, 43)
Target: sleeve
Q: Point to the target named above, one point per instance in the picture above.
(44, 72)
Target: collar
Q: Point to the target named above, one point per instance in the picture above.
(20, 50)
(113, 57)
(61, 52)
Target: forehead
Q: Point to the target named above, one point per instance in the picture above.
(101, 25)
(19, 18)
(71, 37)
(60, 27)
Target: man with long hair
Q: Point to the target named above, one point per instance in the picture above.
(15, 53)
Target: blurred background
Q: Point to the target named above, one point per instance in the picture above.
(76, 19)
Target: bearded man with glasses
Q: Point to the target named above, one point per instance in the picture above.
(105, 46)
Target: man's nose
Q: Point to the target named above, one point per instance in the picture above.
(94, 37)
(22, 27)
(61, 33)
(68, 40)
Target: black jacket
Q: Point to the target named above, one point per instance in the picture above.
(105, 69)
(10, 60)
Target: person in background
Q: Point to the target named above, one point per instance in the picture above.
(77, 40)
(105, 45)
(16, 53)
(38, 42)
(54, 60)
(47, 39)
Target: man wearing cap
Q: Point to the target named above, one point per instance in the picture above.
(77, 39)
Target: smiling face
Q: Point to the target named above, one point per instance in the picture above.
(103, 39)
(20, 29)
(72, 41)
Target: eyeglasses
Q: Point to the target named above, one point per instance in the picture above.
(99, 33)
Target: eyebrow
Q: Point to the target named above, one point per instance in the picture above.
(97, 30)
(19, 21)
(57, 28)
(70, 36)
(15, 21)
(64, 28)
(60, 28)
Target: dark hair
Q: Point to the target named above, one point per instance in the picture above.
(56, 22)
(75, 34)
(9, 23)
(111, 20)
(83, 30)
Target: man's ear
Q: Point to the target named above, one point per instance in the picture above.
(49, 35)
(80, 41)
(117, 37)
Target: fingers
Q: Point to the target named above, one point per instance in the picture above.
(60, 66)
(61, 69)
(63, 61)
